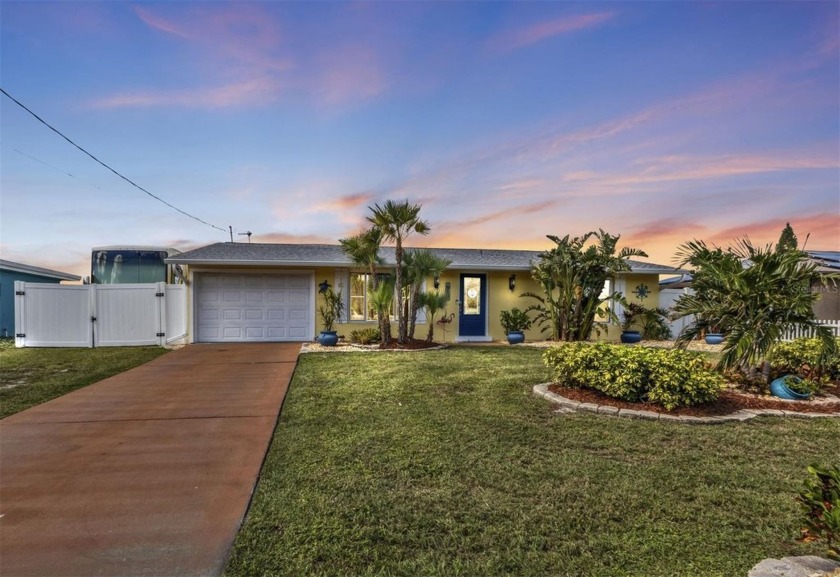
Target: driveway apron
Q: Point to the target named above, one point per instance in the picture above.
(148, 472)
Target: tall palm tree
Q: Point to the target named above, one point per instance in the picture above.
(396, 221)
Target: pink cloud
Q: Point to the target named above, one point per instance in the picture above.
(253, 91)
(517, 38)
(347, 74)
(343, 203)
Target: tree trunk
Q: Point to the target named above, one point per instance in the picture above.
(401, 324)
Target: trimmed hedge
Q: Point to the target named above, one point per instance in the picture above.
(668, 377)
(802, 357)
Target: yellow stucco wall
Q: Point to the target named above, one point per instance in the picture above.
(499, 298)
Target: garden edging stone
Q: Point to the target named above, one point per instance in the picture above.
(541, 390)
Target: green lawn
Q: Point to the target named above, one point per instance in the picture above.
(31, 376)
(444, 463)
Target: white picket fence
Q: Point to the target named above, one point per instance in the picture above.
(801, 332)
(50, 315)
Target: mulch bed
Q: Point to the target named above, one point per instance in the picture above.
(409, 344)
(728, 402)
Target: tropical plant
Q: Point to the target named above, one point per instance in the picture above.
(396, 221)
(807, 357)
(332, 309)
(572, 276)
(363, 251)
(752, 295)
(651, 322)
(820, 502)
(381, 299)
(434, 302)
(514, 320)
(419, 265)
(366, 336)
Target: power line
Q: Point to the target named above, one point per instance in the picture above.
(128, 180)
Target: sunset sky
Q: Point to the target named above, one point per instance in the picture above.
(659, 121)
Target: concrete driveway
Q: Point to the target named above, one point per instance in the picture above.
(148, 472)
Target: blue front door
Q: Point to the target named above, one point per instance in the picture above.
(472, 312)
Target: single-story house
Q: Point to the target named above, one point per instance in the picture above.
(13, 271)
(244, 292)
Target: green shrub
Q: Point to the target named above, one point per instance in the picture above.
(820, 501)
(668, 377)
(368, 336)
(514, 320)
(806, 357)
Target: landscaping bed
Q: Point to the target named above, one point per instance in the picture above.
(729, 401)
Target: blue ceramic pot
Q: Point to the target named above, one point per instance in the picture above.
(714, 338)
(629, 337)
(328, 338)
(779, 389)
(516, 337)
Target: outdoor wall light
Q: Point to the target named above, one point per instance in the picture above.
(512, 283)
(323, 287)
(437, 282)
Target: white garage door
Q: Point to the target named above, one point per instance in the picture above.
(242, 308)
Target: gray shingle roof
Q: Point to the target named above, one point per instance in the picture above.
(255, 254)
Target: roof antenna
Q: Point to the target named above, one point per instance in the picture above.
(248, 234)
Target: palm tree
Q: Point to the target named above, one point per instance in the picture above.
(752, 294)
(363, 250)
(396, 221)
(382, 298)
(434, 303)
(420, 265)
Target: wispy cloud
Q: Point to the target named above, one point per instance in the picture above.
(254, 91)
(527, 35)
(343, 203)
(250, 46)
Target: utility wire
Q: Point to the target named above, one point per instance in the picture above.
(61, 170)
(129, 181)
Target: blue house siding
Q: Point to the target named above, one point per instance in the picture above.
(7, 297)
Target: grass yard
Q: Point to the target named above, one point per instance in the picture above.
(31, 376)
(444, 463)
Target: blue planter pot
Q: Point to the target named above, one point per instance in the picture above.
(779, 389)
(714, 338)
(516, 337)
(629, 337)
(328, 338)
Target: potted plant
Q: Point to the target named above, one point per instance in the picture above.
(515, 322)
(330, 312)
(628, 334)
(792, 388)
(715, 337)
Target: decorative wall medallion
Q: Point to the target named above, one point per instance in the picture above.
(642, 291)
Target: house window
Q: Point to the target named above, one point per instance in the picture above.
(360, 307)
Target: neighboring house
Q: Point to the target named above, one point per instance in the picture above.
(243, 292)
(12, 271)
(827, 307)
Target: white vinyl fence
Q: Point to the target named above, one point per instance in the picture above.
(667, 300)
(51, 315)
(800, 332)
